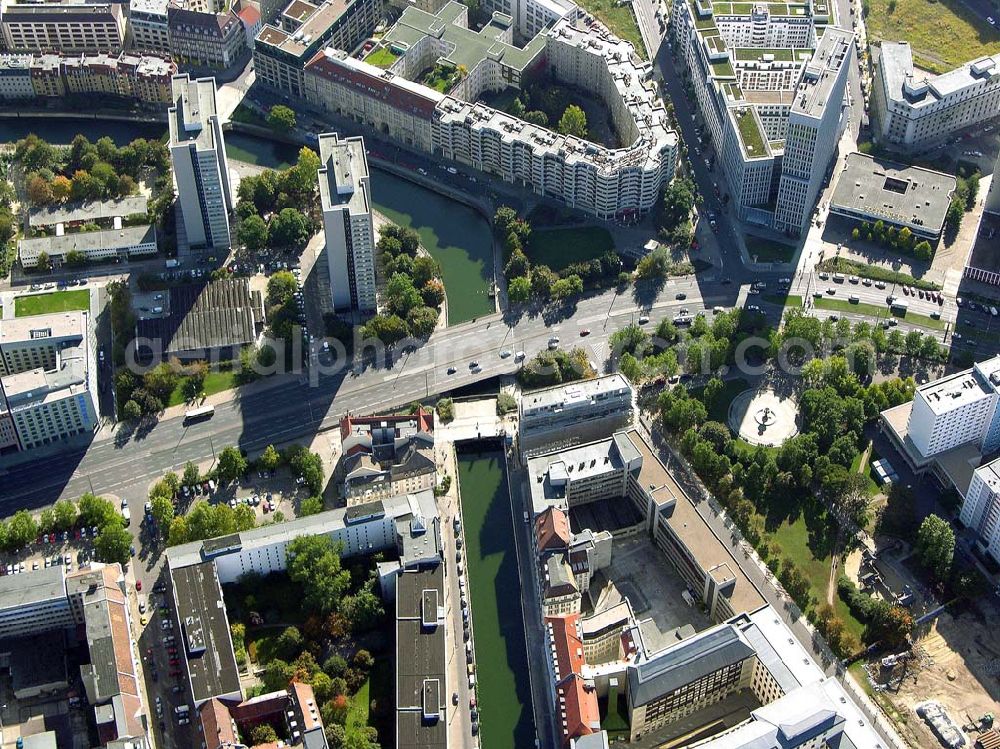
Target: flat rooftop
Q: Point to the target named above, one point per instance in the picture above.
(192, 110)
(819, 79)
(204, 632)
(35, 328)
(953, 392)
(32, 587)
(422, 692)
(575, 393)
(314, 26)
(900, 194)
(88, 210)
(84, 241)
(343, 173)
(918, 90)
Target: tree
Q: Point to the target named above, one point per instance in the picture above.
(314, 563)
(631, 339)
(65, 514)
(191, 474)
(311, 506)
(402, 295)
(98, 511)
(537, 117)
(542, 280)
(573, 122)
(389, 329)
(446, 410)
(21, 530)
(519, 289)
(432, 293)
(162, 510)
(39, 190)
(422, 321)
(922, 250)
(517, 265)
(252, 233)
(289, 644)
(564, 288)
(281, 119)
(935, 546)
(955, 214)
(232, 464)
(288, 229)
(263, 733)
(244, 518)
(178, 531)
(113, 544)
(424, 269)
(308, 466)
(269, 459)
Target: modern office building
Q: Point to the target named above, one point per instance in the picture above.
(285, 44)
(625, 468)
(870, 189)
(35, 602)
(772, 93)
(384, 456)
(15, 77)
(345, 196)
(214, 40)
(148, 28)
(34, 342)
(200, 166)
(64, 28)
(48, 385)
(815, 124)
(574, 413)
(912, 110)
(119, 244)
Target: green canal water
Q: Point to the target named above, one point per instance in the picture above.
(455, 235)
(495, 587)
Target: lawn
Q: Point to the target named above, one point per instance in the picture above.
(558, 248)
(769, 250)
(720, 406)
(215, 382)
(261, 642)
(874, 310)
(871, 485)
(620, 19)
(791, 300)
(614, 720)
(382, 57)
(943, 35)
(750, 134)
(357, 713)
(58, 301)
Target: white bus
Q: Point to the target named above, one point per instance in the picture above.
(198, 414)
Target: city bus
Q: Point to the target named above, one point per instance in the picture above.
(198, 414)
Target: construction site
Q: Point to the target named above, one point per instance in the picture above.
(954, 664)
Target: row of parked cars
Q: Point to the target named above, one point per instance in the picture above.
(466, 631)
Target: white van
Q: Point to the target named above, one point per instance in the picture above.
(157, 310)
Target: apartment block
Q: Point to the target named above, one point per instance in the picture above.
(97, 246)
(580, 411)
(981, 508)
(63, 27)
(345, 196)
(148, 27)
(913, 111)
(282, 51)
(200, 166)
(215, 40)
(35, 602)
(770, 81)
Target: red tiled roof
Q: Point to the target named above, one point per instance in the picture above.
(578, 701)
(250, 15)
(565, 633)
(552, 530)
(303, 694)
(424, 418)
(371, 86)
(216, 724)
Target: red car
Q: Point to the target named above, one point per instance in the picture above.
(138, 584)
(175, 672)
(172, 651)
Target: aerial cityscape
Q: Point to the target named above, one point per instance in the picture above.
(499, 374)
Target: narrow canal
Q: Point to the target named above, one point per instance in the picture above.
(495, 590)
(455, 235)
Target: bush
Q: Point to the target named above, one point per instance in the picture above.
(506, 403)
(446, 410)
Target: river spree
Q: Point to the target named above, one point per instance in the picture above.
(495, 590)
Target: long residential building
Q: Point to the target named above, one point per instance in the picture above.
(912, 111)
(770, 79)
(148, 27)
(200, 166)
(345, 197)
(96, 246)
(63, 27)
(609, 183)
